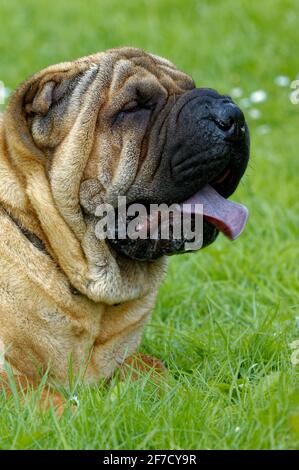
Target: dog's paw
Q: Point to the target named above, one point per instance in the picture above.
(139, 364)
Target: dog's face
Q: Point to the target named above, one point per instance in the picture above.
(127, 123)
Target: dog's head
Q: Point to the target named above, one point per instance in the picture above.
(128, 123)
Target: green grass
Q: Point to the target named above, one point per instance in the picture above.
(225, 316)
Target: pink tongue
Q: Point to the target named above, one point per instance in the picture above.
(227, 216)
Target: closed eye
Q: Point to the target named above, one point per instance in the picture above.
(134, 106)
(131, 108)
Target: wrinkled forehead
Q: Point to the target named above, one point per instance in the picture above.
(134, 68)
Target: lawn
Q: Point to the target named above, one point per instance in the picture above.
(224, 317)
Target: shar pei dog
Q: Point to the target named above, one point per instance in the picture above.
(80, 134)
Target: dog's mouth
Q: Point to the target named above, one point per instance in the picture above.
(218, 215)
(226, 216)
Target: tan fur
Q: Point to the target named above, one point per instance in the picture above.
(77, 303)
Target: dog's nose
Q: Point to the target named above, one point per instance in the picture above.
(230, 119)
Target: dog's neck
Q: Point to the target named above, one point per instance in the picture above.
(15, 201)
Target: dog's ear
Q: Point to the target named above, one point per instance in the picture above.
(43, 109)
(52, 87)
(42, 100)
(44, 94)
(47, 107)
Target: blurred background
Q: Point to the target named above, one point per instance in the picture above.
(224, 317)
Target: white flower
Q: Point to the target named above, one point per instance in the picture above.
(4, 93)
(258, 96)
(236, 92)
(262, 130)
(282, 80)
(254, 113)
(74, 400)
(245, 103)
(237, 429)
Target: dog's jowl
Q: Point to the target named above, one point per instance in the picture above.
(122, 123)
